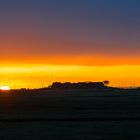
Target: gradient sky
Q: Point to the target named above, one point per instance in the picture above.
(70, 32)
(89, 31)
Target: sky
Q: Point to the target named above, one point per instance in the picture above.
(66, 35)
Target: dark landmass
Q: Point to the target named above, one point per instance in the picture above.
(79, 85)
(64, 113)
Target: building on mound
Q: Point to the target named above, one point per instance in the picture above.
(79, 85)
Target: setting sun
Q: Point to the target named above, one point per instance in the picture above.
(5, 88)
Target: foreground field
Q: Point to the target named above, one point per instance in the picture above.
(70, 114)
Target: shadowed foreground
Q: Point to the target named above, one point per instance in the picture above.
(70, 114)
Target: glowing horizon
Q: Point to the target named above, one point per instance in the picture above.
(36, 76)
(69, 40)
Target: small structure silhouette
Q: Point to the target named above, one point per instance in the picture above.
(80, 85)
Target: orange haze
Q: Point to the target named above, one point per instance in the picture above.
(35, 76)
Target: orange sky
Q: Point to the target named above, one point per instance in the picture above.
(70, 40)
(36, 75)
(34, 63)
(34, 68)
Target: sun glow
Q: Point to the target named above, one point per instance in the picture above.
(5, 88)
(37, 76)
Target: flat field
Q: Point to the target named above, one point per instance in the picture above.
(70, 115)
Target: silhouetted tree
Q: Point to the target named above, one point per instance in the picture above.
(79, 85)
(56, 85)
(106, 83)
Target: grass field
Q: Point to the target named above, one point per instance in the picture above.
(70, 114)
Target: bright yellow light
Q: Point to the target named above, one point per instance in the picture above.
(5, 88)
(36, 76)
